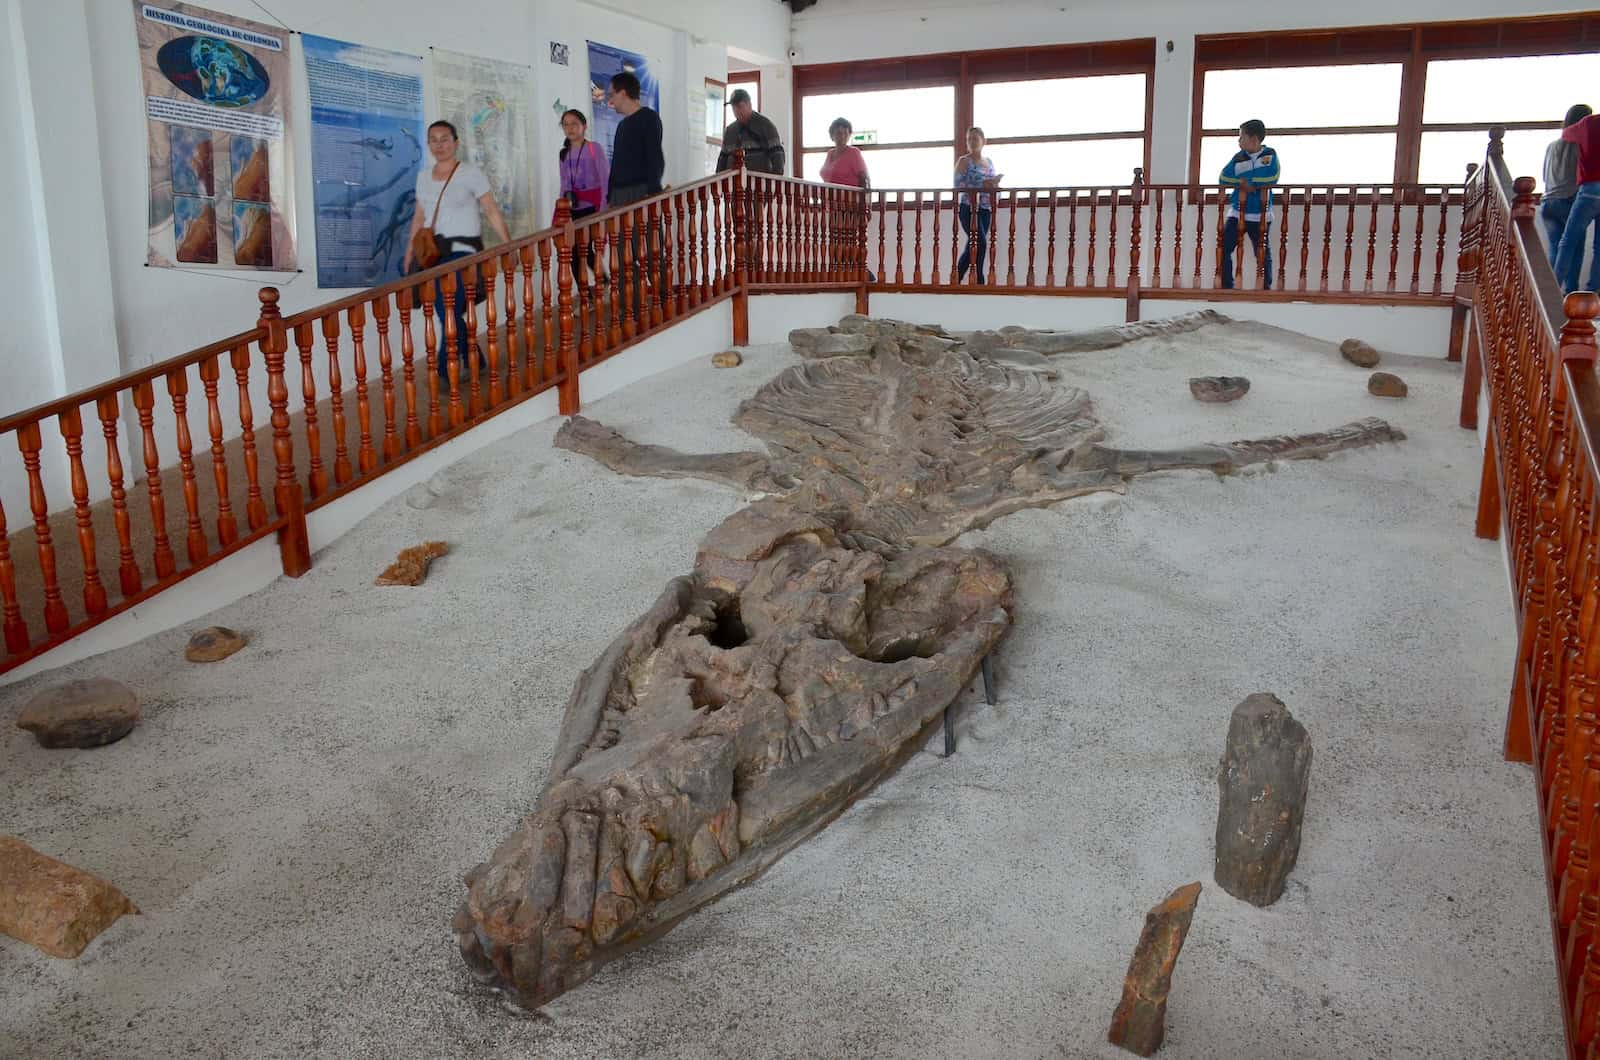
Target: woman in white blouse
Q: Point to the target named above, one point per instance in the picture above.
(449, 196)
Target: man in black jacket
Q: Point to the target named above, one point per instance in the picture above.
(755, 133)
(637, 166)
(637, 161)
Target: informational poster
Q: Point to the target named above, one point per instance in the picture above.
(217, 109)
(367, 144)
(490, 103)
(604, 62)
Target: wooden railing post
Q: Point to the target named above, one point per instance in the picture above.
(741, 254)
(567, 397)
(294, 543)
(860, 205)
(1137, 196)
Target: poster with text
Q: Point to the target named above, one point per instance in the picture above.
(605, 61)
(490, 103)
(216, 92)
(367, 145)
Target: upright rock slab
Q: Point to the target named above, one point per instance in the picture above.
(1266, 769)
(51, 905)
(1140, 1022)
(88, 712)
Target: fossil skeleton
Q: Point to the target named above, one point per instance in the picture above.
(822, 633)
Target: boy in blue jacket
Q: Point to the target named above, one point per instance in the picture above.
(1255, 170)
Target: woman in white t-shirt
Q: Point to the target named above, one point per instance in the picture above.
(455, 191)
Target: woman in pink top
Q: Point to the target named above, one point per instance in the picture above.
(844, 164)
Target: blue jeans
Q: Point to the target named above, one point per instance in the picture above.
(1260, 237)
(463, 337)
(964, 212)
(1574, 234)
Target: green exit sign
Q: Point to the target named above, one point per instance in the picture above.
(868, 137)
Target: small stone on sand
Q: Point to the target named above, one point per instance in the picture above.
(89, 712)
(213, 644)
(727, 359)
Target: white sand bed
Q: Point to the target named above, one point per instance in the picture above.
(294, 822)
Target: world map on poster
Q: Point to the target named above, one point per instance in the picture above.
(490, 104)
(216, 93)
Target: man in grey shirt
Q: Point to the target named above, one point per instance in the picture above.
(755, 133)
(1561, 185)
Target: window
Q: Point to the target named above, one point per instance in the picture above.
(715, 102)
(1393, 104)
(1053, 116)
(1464, 97)
(1333, 124)
(1047, 132)
(887, 123)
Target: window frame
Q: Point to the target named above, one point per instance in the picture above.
(962, 71)
(1413, 45)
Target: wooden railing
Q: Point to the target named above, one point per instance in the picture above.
(1378, 243)
(1541, 467)
(347, 391)
(352, 390)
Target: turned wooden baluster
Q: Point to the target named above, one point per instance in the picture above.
(1416, 249)
(1262, 243)
(467, 279)
(227, 525)
(366, 456)
(1072, 235)
(659, 268)
(1394, 237)
(696, 260)
(1155, 257)
(11, 620)
(94, 593)
(255, 508)
(1372, 240)
(287, 498)
(549, 340)
(597, 323)
(614, 269)
(938, 197)
(430, 352)
(1199, 237)
(317, 480)
(1327, 240)
(144, 400)
(1011, 239)
(710, 249)
(1177, 237)
(882, 202)
(408, 353)
(1111, 239)
(452, 353)
(530, 358)
(684, 274)
(1349, 236)
(1050, 241)
(1033, 231)
(1444, 220)
(568, 352)
(1094, 211)
(342, 471)
(630, 277)
(178, 391)
(491, 326)
(391, 437)
(1305, 233)
(916, 242)
(127, 567)
(1283, 236)
(55, 612)
(900, 237)
(513, 331)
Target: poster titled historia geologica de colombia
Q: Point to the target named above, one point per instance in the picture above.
(217, 109)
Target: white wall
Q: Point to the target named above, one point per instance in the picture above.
(841, 30)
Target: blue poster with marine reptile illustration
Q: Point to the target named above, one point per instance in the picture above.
(367, 144)
(604, 61)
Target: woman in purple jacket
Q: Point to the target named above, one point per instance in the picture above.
(584, 172)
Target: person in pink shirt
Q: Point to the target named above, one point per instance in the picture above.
(844, 164)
